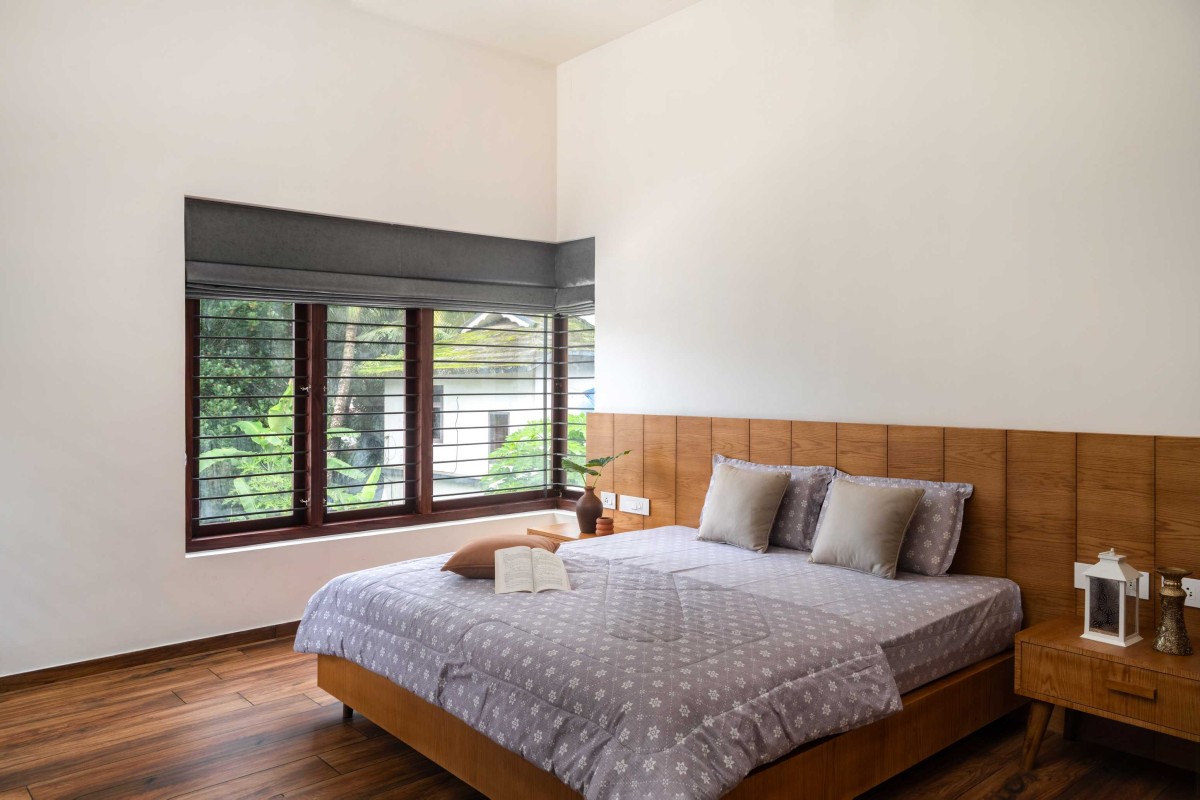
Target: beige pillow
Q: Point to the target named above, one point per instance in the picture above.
(862, 527)
(741, 505)
(477, 559)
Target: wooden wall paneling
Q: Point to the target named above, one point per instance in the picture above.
(629, 473)
(1177, 510)
(1115, 476)
(731, 437)
(659, 442)
(862, 449)
(915, 452)
(693, 467)
(600, 444)
(978, 456)
(814, 444)
(1041, 521)
(770, 441)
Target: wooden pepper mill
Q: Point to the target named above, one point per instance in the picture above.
(604, 526)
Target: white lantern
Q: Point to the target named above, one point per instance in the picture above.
(1111, 610)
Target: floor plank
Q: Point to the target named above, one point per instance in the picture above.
(268, 782)
(249, 722)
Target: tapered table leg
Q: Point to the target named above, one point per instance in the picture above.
(1039, 717)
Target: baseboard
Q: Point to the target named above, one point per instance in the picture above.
(40, 677)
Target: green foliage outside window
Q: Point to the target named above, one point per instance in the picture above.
(524, 450)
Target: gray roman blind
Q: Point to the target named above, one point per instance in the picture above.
(240, 251)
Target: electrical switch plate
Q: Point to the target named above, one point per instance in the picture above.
(1192, 587)
(635, 505)
(608, 500)
(1143, 582)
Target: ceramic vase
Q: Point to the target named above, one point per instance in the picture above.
(588, 510)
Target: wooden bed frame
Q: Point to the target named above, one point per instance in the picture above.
(934, 716)
(1042, 501)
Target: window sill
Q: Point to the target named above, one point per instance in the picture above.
(388, 530)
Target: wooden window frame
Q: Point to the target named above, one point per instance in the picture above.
(314, 520)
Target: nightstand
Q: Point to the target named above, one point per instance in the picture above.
(1136, 684)
(562, 532)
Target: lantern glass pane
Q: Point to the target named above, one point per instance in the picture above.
(1131, 609)
(1105, 605)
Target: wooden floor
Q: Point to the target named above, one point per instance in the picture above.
(251, 723)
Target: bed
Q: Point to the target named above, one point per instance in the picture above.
(676, 668)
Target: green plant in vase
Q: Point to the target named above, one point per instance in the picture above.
(589, 508)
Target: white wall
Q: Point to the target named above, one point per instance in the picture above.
(908, 211)
(112, 112)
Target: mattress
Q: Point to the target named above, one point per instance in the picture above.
(927, 626)
(674, 667)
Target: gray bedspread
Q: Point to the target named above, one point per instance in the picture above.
(642, 682)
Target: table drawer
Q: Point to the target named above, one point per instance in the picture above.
(1056, 674)
(1124, 690)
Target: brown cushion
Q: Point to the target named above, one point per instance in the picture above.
(477, 559)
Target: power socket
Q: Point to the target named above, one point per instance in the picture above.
(1192, 587)
(609, 500)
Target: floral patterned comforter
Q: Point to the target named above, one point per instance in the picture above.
(638, 683)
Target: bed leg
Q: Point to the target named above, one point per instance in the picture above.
(347, 712)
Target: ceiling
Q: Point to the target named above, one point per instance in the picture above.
(551, 31)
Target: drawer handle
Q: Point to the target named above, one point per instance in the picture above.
(1145, 692)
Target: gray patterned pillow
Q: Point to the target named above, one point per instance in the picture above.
(796, 521)
(932, 536)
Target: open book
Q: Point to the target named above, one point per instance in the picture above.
(529, 569)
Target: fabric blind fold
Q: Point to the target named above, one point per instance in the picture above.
(240, 251)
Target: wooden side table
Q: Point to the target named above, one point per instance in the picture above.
(1136, 684)
(562, 532)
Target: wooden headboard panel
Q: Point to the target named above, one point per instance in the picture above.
(1042, 500)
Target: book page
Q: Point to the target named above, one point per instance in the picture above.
(514, 570)
(549, 572)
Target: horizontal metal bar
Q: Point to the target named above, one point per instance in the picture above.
(248, 494)
(207, 357)
(250, 377)
(370, 325)
(204, 337)
(254, 475)
(369, 430)
(494, 492)
(252, 436)
(249, 416)
(490, 475)
(293, 453)
(363, 449)
(366, 343)
(542, 424)
(482, 378)
(546, 454)
(542, 347)
(399, 360)
(505, 363)
(236, 397)
(364, 485)
(373, 466)
(381, 503)
(283, 512)
(254, 319)
(526, 331)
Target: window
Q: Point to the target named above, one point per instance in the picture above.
(389, 416)
(498, 428)
(490, 364)
(579, 392)
(247, 359)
